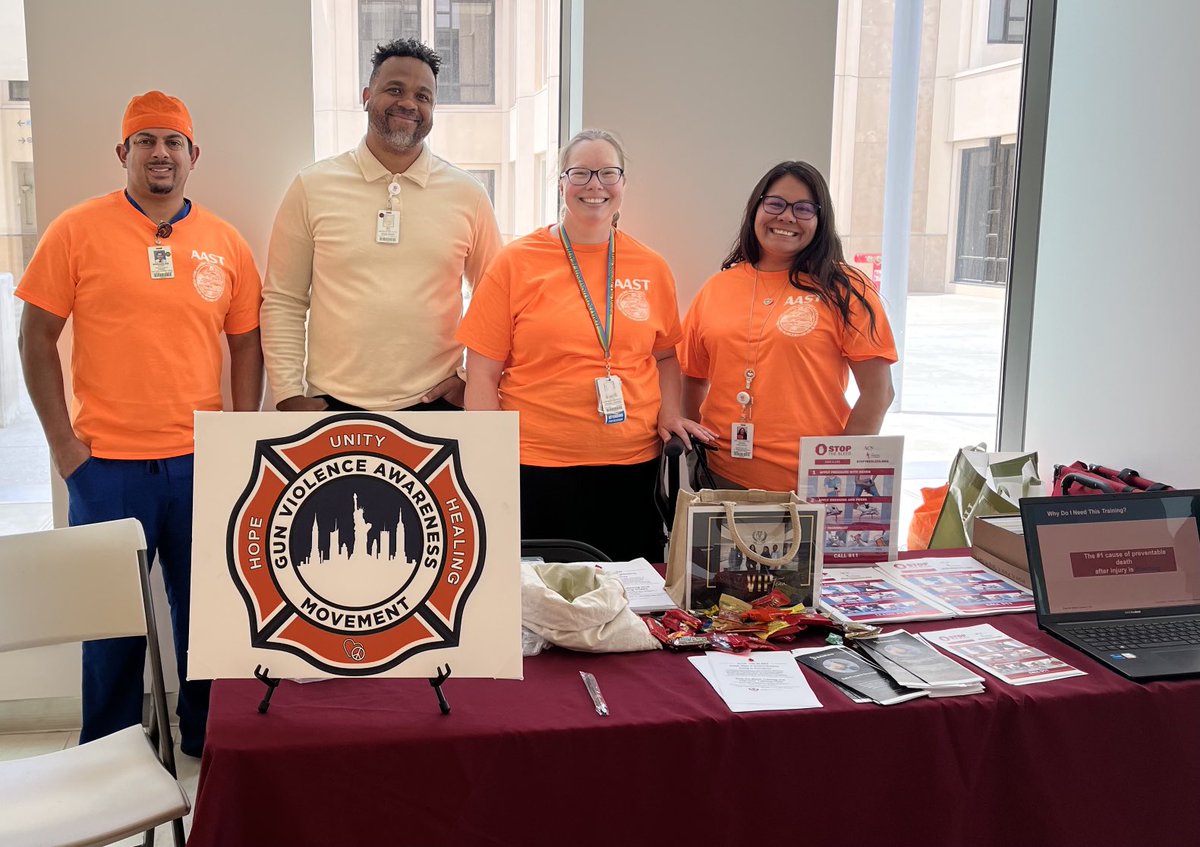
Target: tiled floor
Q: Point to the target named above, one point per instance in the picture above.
(22, 745)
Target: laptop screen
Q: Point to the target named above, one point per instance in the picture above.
(1114, 552)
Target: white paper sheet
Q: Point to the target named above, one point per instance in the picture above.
(644, 586)
(762, 681)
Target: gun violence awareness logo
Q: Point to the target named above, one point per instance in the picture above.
(356, 544)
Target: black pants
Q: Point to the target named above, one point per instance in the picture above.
(439, 405)
(610, 507)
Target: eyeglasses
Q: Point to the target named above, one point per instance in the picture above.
(582, 176)
(804, 210)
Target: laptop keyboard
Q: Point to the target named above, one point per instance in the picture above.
(1139, 635)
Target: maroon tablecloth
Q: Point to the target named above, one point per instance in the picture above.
(1093, 760)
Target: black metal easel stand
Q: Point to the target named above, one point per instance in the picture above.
(263, 675)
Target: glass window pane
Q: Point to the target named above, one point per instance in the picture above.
(380, 21)
(465, 38)
(950, 296)
(488, 178)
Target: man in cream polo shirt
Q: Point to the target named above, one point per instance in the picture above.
(372, 247)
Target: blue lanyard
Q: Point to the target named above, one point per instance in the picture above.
(183, 213)
(603, 331)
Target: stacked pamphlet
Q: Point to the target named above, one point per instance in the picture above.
(1003, 657)
(919, 590)
(914, 664)
(963, 585)
(867, 595)
(644, 586)
(851, 671)
(757, 682)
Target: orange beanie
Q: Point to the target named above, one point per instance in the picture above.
(155, 110)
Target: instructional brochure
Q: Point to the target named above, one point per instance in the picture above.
(920, 590)
(962, 585)
(914, 664)
(856, 479)
(867, 595)
(851, 670)
(1003, 657)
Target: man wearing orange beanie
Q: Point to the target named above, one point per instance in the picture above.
(152, 281)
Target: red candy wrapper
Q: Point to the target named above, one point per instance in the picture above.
(656, 629)
(775, 599)
(676, 620)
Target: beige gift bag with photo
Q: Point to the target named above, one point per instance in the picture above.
(679, 551)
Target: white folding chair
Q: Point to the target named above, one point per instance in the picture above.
(80, 584)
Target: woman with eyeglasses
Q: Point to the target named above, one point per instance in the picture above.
(575, 327)
(771, 341)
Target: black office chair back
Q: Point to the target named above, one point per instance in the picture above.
(562, 550)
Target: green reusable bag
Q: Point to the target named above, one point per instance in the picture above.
(982, 484)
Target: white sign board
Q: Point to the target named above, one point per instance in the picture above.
(356, 544)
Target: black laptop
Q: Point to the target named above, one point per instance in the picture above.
(1118, 577)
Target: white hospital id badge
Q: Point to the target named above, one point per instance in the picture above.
(612, 400)
(161, 266)
(387, 227)
(741, 441)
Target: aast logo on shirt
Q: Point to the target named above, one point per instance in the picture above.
(209, 277)
(204, 256)
(799, 318)
(356, 544)
(632, 301)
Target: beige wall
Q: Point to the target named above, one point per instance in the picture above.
(244, 70)
(706, 97)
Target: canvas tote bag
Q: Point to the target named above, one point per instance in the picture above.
(679, 548)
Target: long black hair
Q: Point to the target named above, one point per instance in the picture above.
(821, 266)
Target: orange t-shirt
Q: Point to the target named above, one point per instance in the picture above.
(529, 313)
(146, 352)
(800, 363)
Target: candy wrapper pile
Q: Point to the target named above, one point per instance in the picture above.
(770, 622)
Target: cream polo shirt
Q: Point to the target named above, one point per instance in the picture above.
(381, 317)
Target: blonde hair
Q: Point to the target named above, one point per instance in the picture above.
(589, 135)
(578, 138)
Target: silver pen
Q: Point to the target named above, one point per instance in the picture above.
(593, 689)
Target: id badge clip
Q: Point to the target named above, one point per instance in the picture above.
(611, 399)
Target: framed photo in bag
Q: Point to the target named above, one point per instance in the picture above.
(745, 549)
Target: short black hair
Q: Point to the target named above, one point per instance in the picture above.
(404, 48)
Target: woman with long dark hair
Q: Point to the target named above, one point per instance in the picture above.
(771, 341)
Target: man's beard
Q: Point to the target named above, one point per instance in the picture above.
(400, 140)
(160, 188)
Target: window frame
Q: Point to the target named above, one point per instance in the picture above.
(428, 13)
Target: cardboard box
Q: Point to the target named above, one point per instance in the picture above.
(999, 543)
(1016, 573)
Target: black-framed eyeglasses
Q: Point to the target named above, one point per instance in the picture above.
(582, 176)
(804, 210)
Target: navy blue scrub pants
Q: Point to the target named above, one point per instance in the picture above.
(158, 492)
